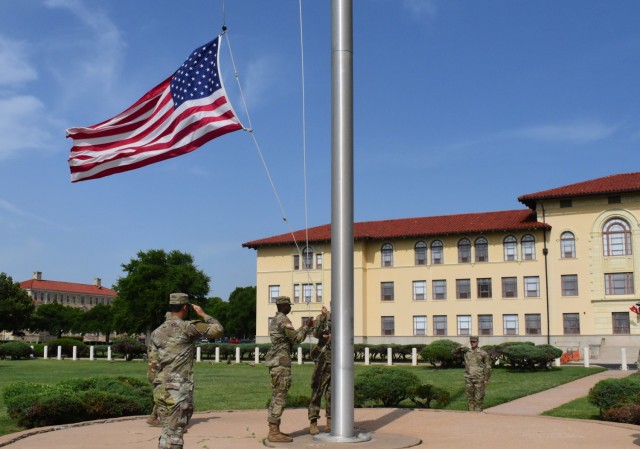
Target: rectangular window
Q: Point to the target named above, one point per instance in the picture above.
(571, 323)
(510, 324)
(618, 283)
(532, 324)
(531, 286)
(509, 287)
(304, 319)
(463, 288)
(319, 261)
(296, 262)
(484, 288)
(620, 322)
(440, 325)
(440, 289)
(419, 290)
(569, 284)
(388, 325)
(464, 324)
(296, 293)
(485, 324)
(387, 291)
(274, 292)
(419, 325)
(318, 292)
(307, 292)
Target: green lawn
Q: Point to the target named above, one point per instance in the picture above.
(234, 387)
(578, 409)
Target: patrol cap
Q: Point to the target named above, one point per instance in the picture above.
(178, 298)
(473, 339)
(283, 300)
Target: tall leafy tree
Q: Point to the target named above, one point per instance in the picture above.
(16, 306)
(218, 309)
(99, 319)
(241, 315)
(56, 319)
(143, 293)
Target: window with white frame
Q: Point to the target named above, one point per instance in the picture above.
(532, 324)
(531, 286)
(616, 238)
(464, 324)
(618, 283)
(419, 325)
(307, 258)
(464, 251)
(296, 293)
(387, 291)
(296, 261)
(510, 287)
(319, 258)
(484, 288)
(387, 255)
(463, 288)
(569, 284)
(274, 292)
(510, 324)
(485, 324)
(437, 252)
(510, 248)
(421, 253)
(307, 292)
(388, 325)
(419, 290)
(567, 245)
(620, 323)
(439, 289)
(440, 325)
(528, 247)
(482, 250)
(318, 292)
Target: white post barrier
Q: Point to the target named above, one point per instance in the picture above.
(75, 353)
(586, 356)
(366, 356)
(46, 352)
(59, 352)
(623, 353)
(109, 353)
(91, 352)
(237, 354)
(218, 354)
(414, 356)
(389, 356)
(198, 354)
(299, 356)
(558, 362)
(256, 356)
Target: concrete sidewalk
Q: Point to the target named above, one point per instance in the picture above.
(513, 424)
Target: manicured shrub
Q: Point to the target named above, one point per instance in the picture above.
(423, 395)
(100, 404)
(67, 345)
(610, 393)
(525, 356)
(15, 350)
(443, 353)
(629, 414)
(101, 350)
(129, 347)
(384, 385)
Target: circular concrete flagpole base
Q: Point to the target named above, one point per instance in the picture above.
(367, 440)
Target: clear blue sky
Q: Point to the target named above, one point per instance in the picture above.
(460, 106)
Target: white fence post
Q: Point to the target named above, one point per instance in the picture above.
(59, 352)
(256, 357)
(586, 356)
(198, 354)
(109, 353)
(46, 353)
(217, 354)
(299, 356)
(75, 353)
(623, 354)
(366, 356)
(237, 354)
(558, 362)
(91, 352)
(389, 356)
(414, 356)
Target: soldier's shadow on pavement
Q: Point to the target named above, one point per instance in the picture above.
(202, 419)
(378, 423)
(637, 440)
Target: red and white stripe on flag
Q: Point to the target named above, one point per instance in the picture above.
(176, 117)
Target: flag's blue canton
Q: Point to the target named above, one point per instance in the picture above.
(198, 76)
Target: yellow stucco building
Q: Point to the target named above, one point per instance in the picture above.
(562, 271)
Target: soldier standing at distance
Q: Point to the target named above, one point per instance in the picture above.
(278, 359)
(477, 370)
(170, 370)
(321, 377)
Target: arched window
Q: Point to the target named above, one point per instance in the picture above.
(437, 255)
(567, 245)
(616, 238)
(421, 253)
(387, 255)
(307, 258)
(528, 247)
(510, 248)
(482, 249)
(464, 251)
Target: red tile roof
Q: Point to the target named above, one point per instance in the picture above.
(483, 222)
(70, 287)
(625, 182)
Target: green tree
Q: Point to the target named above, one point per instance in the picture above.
(99, 319)
(218, 309)
(16, 306)
(241, 317)
(56, 319)
(143, 294)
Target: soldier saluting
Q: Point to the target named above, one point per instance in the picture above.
(278, 359)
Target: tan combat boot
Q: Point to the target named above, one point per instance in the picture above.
(313, 427)
(153, 421)
(327, 428)
(275, 436)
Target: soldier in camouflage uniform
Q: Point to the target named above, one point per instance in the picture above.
(477, 370)
(321, 377)
(278, 359)
(170, 370)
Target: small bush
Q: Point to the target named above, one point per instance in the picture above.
(629, 414)
(443, 353)
(423, 395)
(524, 356)
(610, 393)
(15, 350)
(385, 385)
(129, 347)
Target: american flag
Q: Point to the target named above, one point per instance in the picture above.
(176, 117)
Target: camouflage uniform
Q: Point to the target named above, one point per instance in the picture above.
(477, 370)
(321, 377)
(170, 370)
(278, 359)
